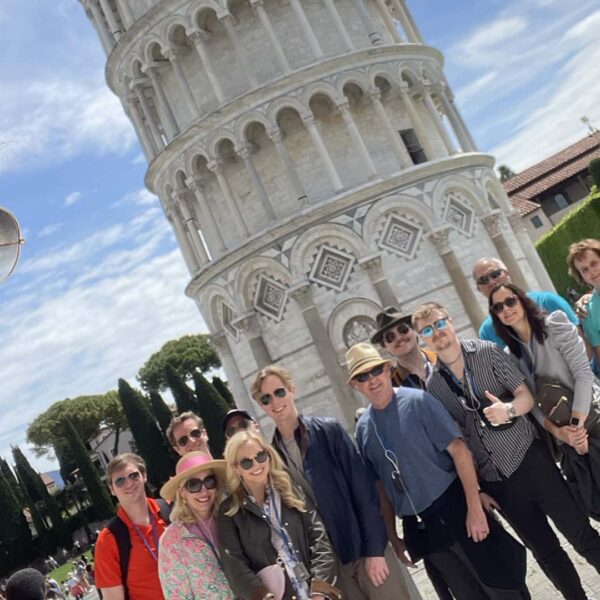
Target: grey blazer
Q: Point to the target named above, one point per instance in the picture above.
(562, 356)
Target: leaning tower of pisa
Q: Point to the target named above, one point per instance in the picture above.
(314, 167)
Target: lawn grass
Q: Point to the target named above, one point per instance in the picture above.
(61, 573)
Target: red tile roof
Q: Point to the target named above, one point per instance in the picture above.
(523, 205)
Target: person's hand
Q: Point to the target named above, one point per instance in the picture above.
(377, 569)
(477, 524)
(497, 413)
(488, 503)
(581, 306)
(574, 436)
(400, 550)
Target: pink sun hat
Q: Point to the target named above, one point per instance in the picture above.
(188, 466)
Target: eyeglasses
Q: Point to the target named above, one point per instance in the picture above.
(439, 325)
(265, 399)
(485, 279)
(260, 457)
(498, 307)
(194, 484)
(133, 476)
(390, 335)
(194, 434)
(241, 426)
(374, 372)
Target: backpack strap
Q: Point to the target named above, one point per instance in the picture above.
(121, 534)
(164, 510)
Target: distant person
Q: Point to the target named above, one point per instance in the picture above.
(186, 433)
(490, 272)
(238, 420)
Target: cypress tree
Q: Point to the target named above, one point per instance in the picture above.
(224, 390)
(13, 483)
(184, 396)
(45, 543)
(161, 411)
(97, 491)
(212, 409)
(149, 441)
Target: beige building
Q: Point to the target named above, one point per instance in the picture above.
(314, 166)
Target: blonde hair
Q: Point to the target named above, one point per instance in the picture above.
(424, 310)
(280, 480)
(281, 372)
(182, 513)
(576, 252)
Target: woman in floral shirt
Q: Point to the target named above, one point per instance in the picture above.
(189, 564)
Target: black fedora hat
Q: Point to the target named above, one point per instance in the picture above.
(389, 317)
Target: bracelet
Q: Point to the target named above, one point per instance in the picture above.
(511, 411)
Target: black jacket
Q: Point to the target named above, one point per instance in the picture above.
(246, 548)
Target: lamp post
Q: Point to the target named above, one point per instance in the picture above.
(10, 243)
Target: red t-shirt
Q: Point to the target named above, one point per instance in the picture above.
(142, 576)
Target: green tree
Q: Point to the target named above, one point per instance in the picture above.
(45, 542)
(505, 173)
(183, 395)
(187, 355)
(212, 409)
(223, 388)
(9, 476)
(161, 411)
(150, 442)
(97, 491)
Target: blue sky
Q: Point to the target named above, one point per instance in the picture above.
(100, 282)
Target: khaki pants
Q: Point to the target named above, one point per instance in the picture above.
(355, 585)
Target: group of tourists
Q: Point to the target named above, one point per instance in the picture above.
(455, 430)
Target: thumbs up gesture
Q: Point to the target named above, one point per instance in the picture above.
(497, 413)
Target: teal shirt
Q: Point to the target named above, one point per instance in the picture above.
(591, 325)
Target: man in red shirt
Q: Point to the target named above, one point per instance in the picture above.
(126, 476)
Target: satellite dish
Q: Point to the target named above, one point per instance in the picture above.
(10, 243)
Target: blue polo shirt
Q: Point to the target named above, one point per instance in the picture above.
(548, 301)
(415, 429)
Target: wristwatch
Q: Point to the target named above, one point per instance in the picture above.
(511, 413)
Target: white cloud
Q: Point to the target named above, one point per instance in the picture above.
(50, 229)
(493, 33)
(72, 198)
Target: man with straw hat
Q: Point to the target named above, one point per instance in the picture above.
(421, 463)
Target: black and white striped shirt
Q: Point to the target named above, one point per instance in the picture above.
(497, 452)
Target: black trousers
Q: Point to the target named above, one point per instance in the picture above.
(534, 492)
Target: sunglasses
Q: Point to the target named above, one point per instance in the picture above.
(265, 399)
(485, 279)
(193, 435)
(374, 372)
(498, 307)
(194, 484)
(439, 325)
(390, 335)
(260, 458)
(241, 426)
(133, 476)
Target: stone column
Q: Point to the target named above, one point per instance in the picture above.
(302, 295)
(493, 223)
(163, 104)
(531, 255)
(458, 116)
(292, 174)
(133, 112)
(413, 116)
(374, 35)
(240, 55)
(126, 14)
(408, 25)
(195, 185)
(357, 139)
(462, 285)
(216, 167)
(339, 25)
(95, 14)
(111, 19)
(173, 54)
(238, 388)
(373, 267)
(309, 34)
(309, 122)
(199, 37)
(249, 325)
(389, 21)
(191, 227)
(137, 87)
(439, 124)
(189, 256)
(450, 111)
(244, 153)
(263, 17)
(393, 136)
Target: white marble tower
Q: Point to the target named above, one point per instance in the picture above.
(314, 167)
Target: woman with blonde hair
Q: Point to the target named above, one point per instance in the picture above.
(189, 561)
(272, 545)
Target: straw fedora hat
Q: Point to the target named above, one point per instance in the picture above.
(188, 466)
(363, 357)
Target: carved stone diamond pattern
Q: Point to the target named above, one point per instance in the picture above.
(226, 316)
(458, 214)
(332, 268)
(270, 298)
(400, 237)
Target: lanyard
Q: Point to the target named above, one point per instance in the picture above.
(279, 528)
(203, 532)
(153, 551)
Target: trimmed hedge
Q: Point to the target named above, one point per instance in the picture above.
(553, 247)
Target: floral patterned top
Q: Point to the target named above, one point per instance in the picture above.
(188, 568)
